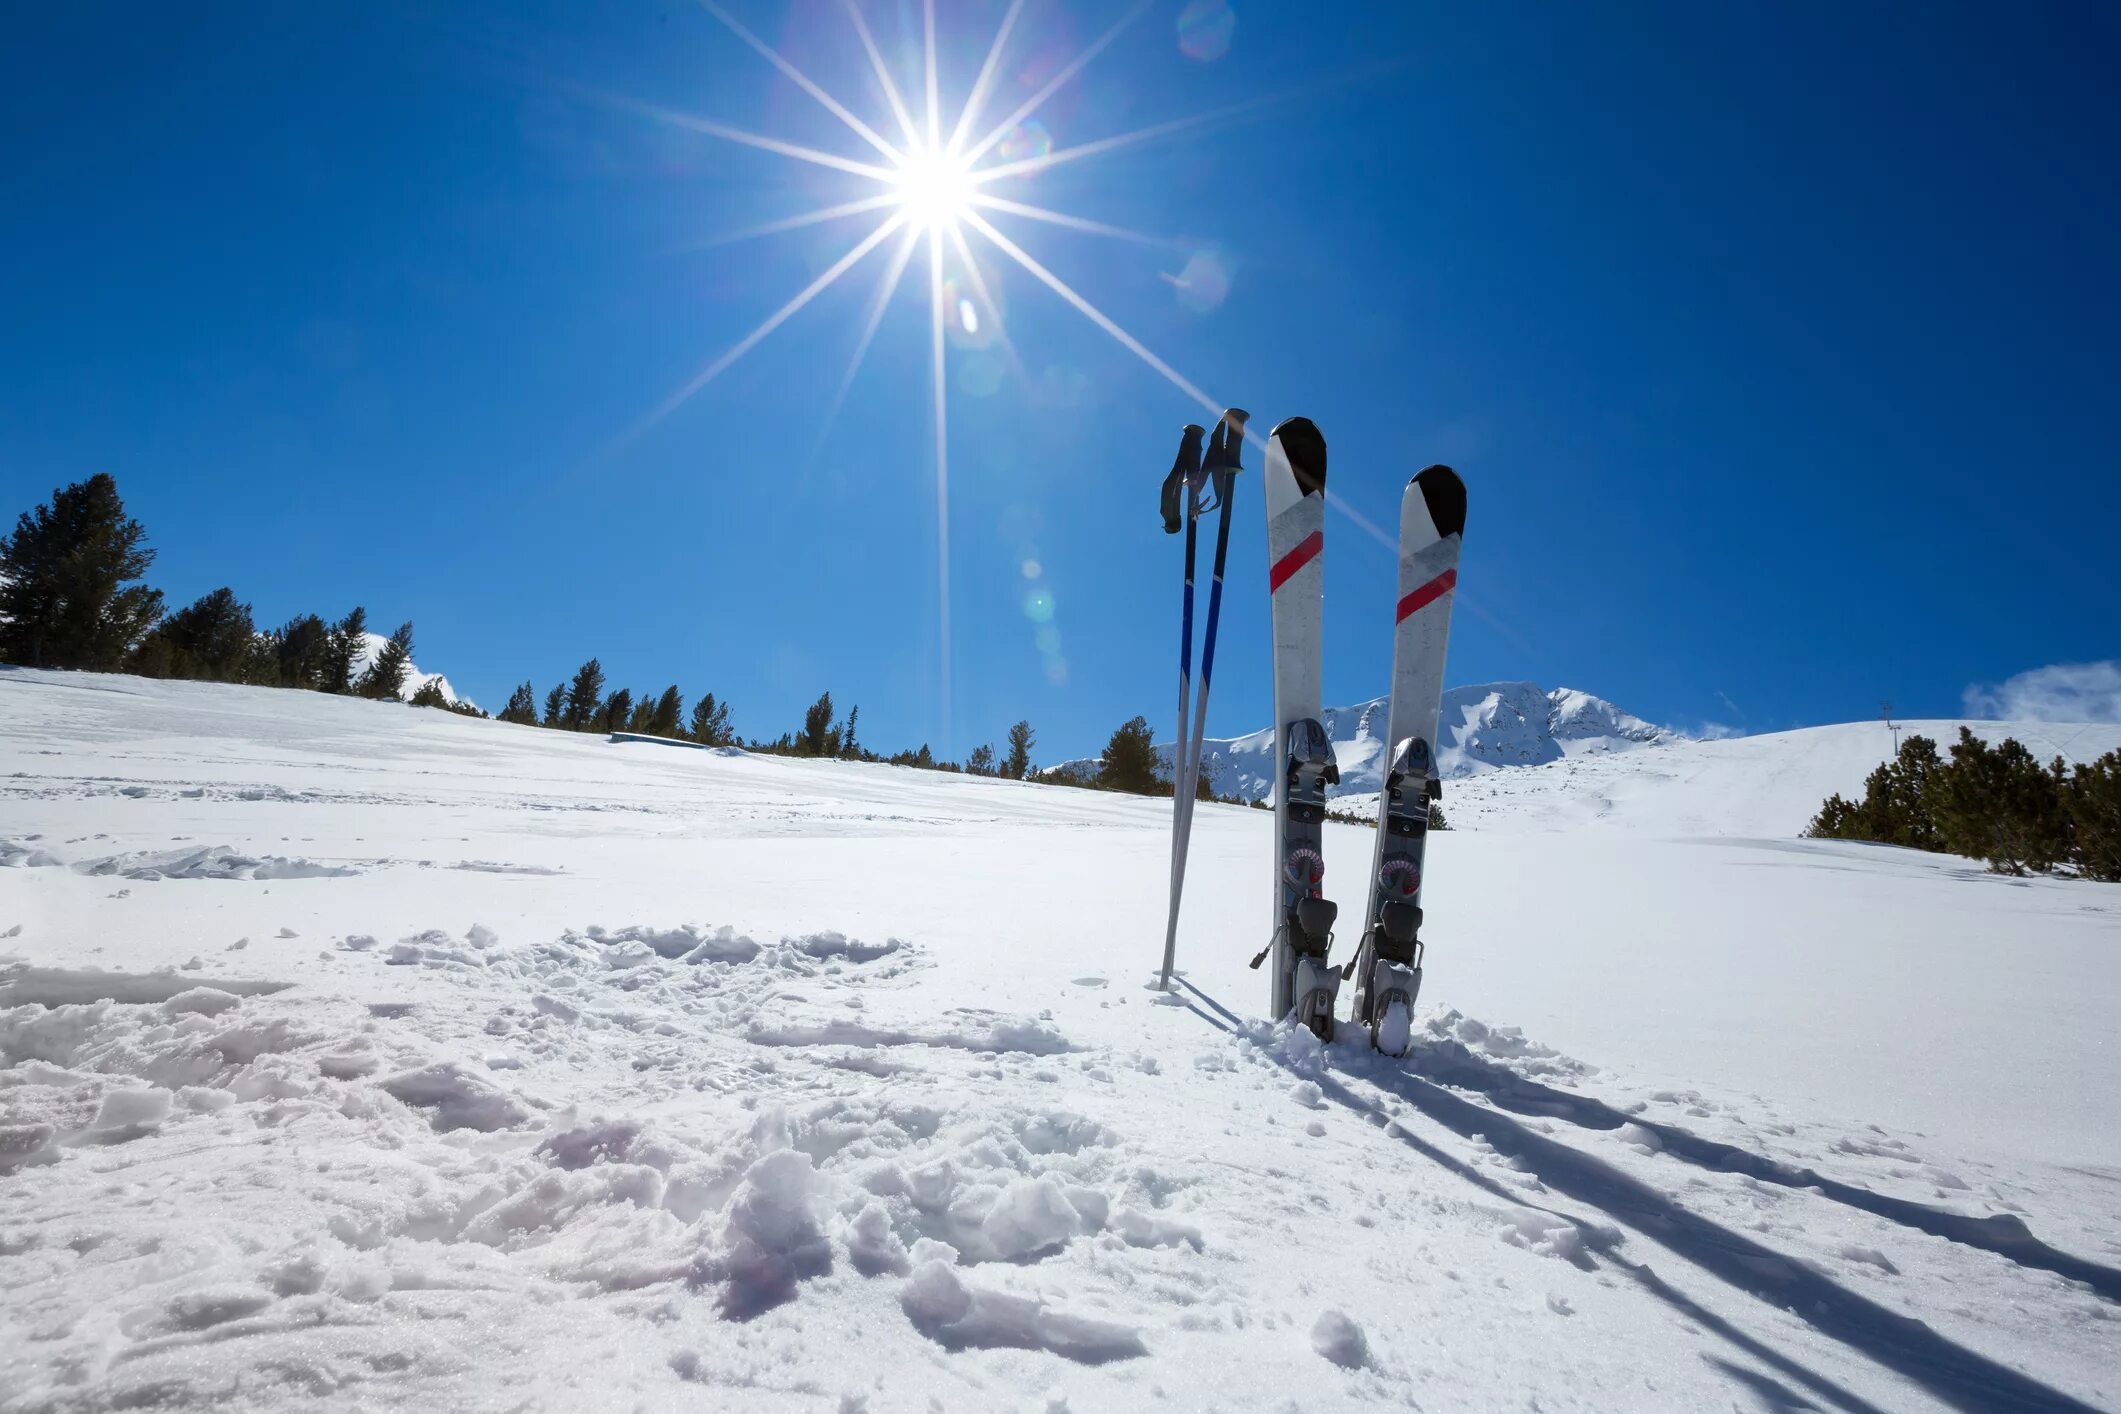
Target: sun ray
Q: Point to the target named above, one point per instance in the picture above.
(802, 80)
(942, 470)
(695, 123)
(978, 95)
(934, 104)
(1029, 165)
(893, 273)
(796, 223)
(1091, 312)
(1053, 85)
(1075, 223)
(766, 326)
(979, 286)
(883, 75)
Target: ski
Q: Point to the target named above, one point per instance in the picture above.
(1303, 917)
(1387, 963)
(1190, 476)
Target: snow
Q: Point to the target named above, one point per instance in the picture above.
(559, 1074)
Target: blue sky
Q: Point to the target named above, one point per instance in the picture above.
(1777, 344)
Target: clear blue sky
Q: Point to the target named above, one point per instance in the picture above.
(1779, 345)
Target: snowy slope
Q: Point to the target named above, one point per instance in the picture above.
(1765, 786)
(1485, 726)
(357, 1058)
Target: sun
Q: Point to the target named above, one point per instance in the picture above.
(934, 189)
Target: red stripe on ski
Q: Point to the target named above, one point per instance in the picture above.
(1306, 551)
(1428, 594)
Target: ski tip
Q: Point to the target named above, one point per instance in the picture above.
(1305, 448)
(1445, 496)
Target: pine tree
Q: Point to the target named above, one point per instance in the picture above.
(1017, 764)
(210, 639)
(385, 678)
(555, 704)
(617, 708)
(1130, 759)
(65, 600)
(1997, 803)
(522, 707)
(585, 696)
(980, 762)
(349, 637)
(817, 732)
(710, 722)
(302, 648)
(2094, 804)
(429, 694)
(667, 718)
(641, 714)
(850, 749)
(1899, 804)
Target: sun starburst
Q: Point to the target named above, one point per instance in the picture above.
(930, 188)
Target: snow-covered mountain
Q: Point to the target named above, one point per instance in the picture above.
(372, 644)
(1485, 726)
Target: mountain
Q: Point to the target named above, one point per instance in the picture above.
(372, 644)
(1485, 726)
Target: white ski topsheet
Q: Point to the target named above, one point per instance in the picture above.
(1296, 580)
(1428, 578)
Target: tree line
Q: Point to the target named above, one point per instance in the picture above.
(1996, 803)
(70, 598)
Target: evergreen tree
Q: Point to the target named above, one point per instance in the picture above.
(65, 600)
(980, 762)
(385, 678)
(817, 734)
(210, 639)
(555, 704)
(710, 722)
(617, 708)
(2094, 804)
(667, 718)
(1017, 764)
(1130, 759)
(1899, 804)
(349, 637)
(1997, 803)
(641, 714)
(850, 749)
(302, 649)
(522, 707)
(584, 697)
(429, 694)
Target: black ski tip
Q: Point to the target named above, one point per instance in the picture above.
(1305, 447)
(1445, 495)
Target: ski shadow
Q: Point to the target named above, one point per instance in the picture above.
(2004, 1234)
(1948, 1371)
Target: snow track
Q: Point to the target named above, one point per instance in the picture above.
(578, 1077)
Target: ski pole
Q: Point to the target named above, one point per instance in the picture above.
(1179, 499)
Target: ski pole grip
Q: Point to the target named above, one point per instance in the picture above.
(1183, 469)
(1234, 440)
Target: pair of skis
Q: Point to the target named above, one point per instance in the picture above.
(1386, 967)
(1197, 485)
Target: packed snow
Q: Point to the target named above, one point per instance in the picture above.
(359, 1056)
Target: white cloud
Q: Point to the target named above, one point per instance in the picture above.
(1716, 731)
(2060, 692)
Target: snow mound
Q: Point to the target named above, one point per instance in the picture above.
(954, 1312)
